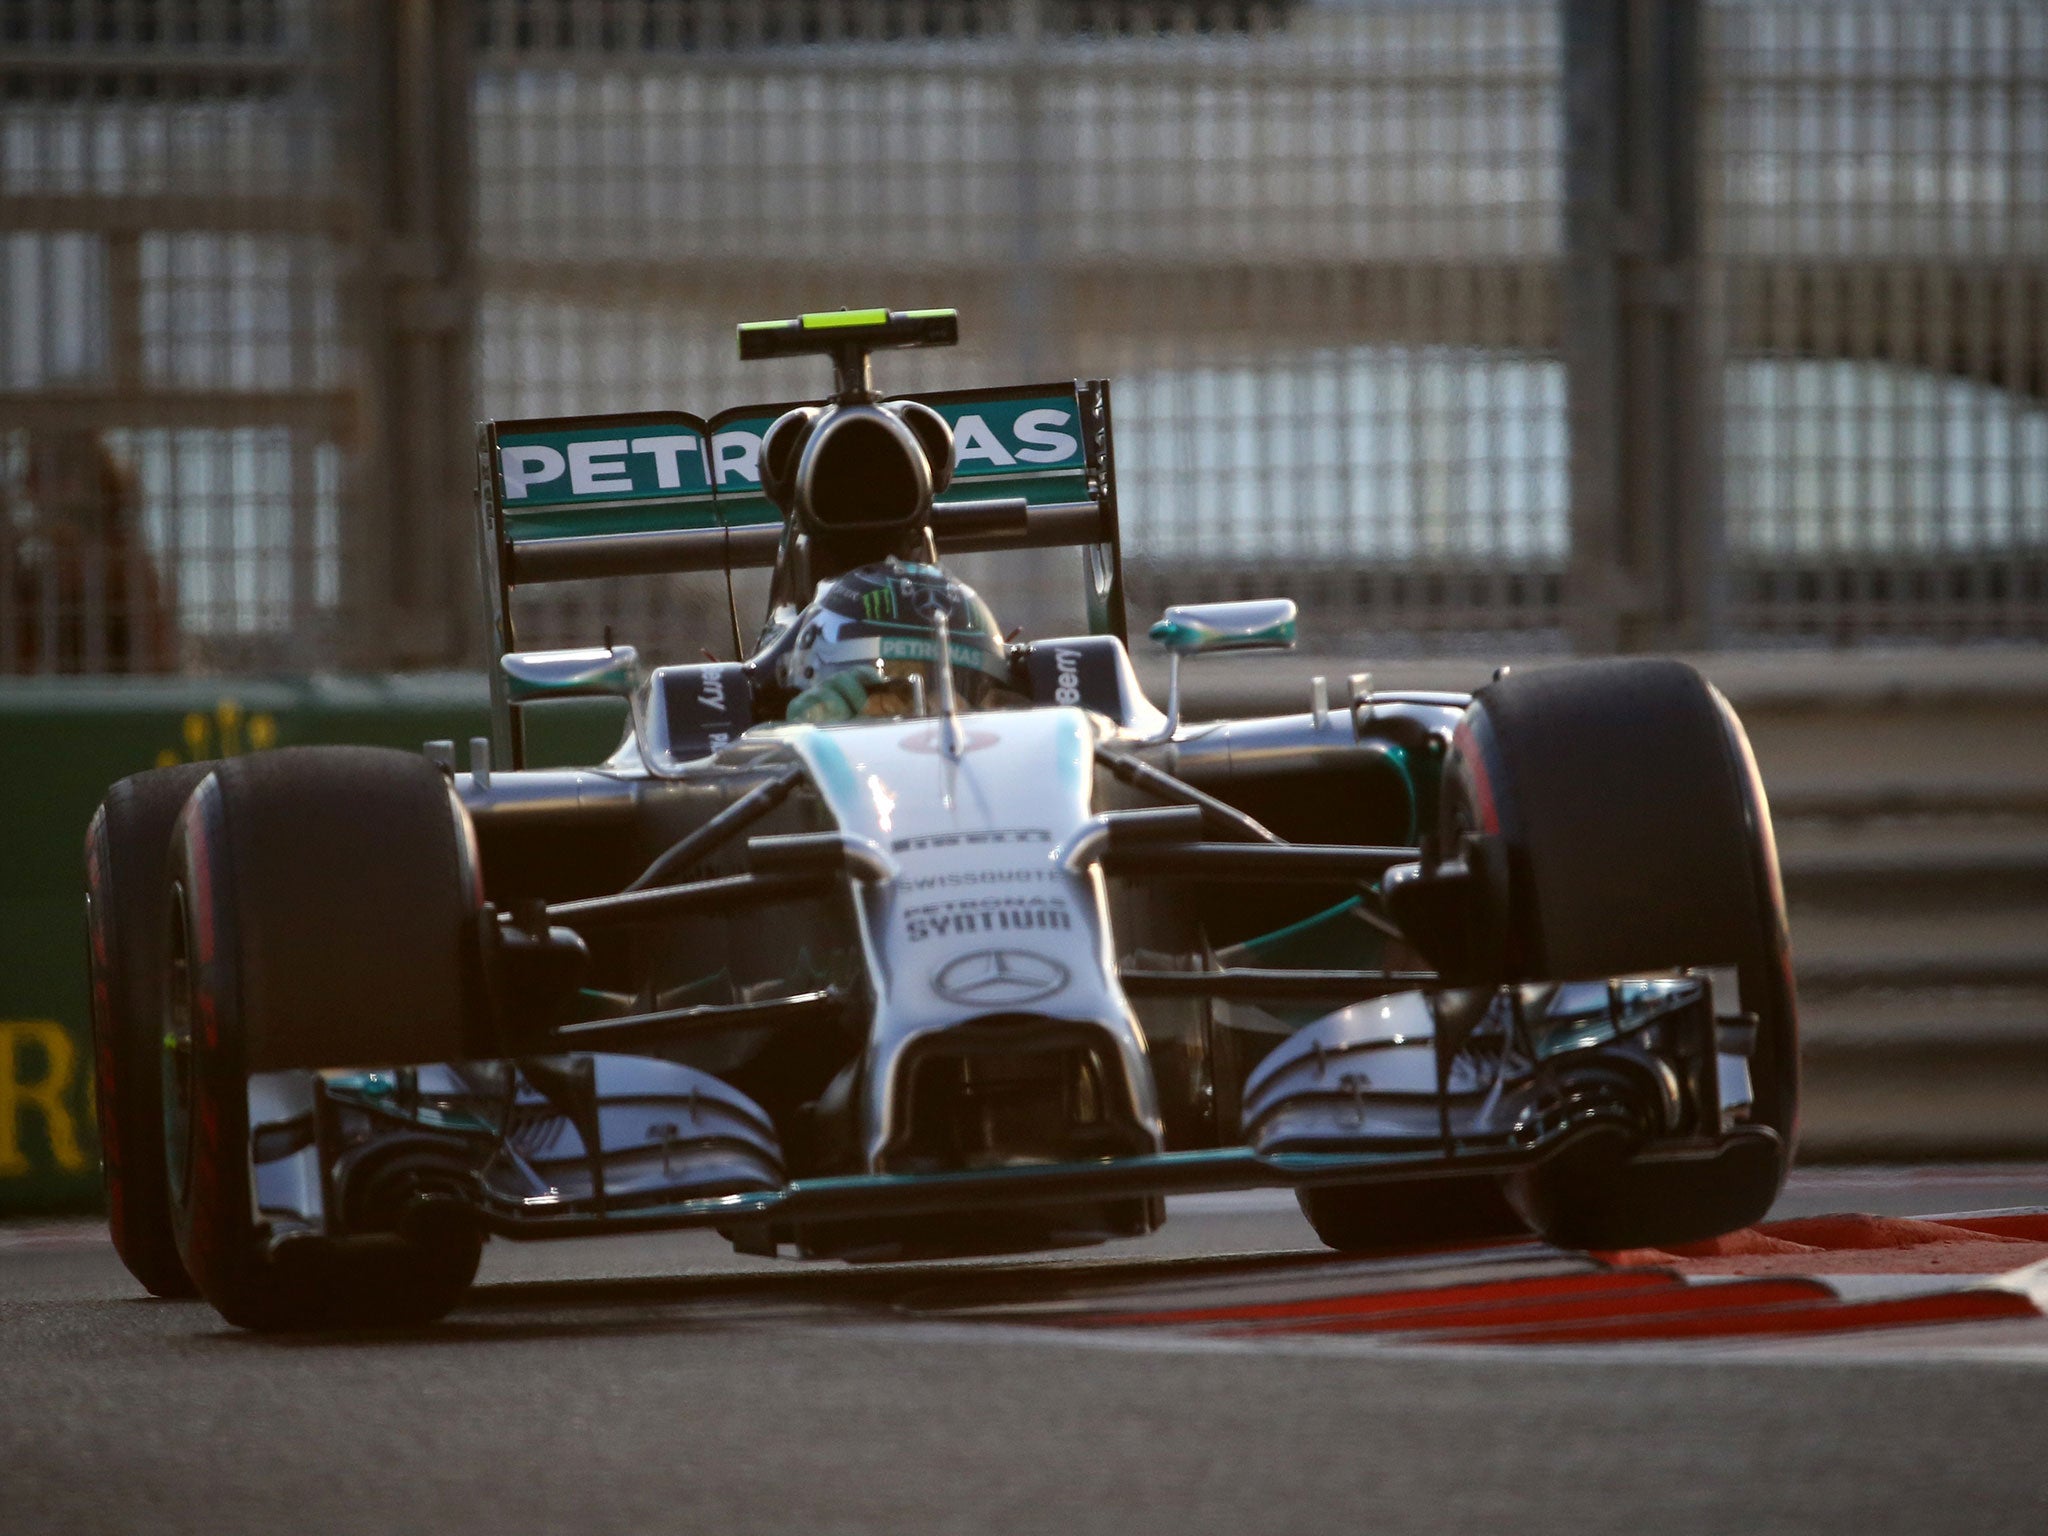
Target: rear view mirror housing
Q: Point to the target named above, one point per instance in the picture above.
(1203, 629)
(593, 672)
(1198, 629)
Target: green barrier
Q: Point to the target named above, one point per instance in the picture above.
(62, 742)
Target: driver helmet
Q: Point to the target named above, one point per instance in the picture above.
(868, 646)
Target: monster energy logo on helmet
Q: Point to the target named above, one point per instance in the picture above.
(903, 595)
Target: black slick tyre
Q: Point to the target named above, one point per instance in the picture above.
(125, 851)
(323, 908)
(1637, 839)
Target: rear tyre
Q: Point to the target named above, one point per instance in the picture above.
(1419, 1213)
(1638, 839)
(125, 851)
(324, 905)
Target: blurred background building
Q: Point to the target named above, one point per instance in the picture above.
(1480, 325)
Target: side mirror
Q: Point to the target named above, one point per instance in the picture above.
(1200, 629)
(1195, 629)
(597, 672)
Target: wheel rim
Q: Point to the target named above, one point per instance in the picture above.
(178, 1052)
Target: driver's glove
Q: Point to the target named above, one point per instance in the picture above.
(840, 697)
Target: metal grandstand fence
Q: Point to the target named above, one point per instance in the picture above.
(1879, 220)
(1382, 336)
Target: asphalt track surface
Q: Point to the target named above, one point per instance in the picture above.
(664, 1385)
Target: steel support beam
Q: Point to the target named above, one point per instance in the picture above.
(1641, 358)
(408, 573)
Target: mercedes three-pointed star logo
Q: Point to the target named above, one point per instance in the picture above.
(999, 978)
(929, 602)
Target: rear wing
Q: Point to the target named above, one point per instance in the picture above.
(571, 498)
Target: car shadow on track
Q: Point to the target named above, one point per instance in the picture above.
(522, 1310)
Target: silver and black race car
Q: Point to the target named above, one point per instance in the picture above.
(898, 937)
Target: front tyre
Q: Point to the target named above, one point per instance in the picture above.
(323, 907)
(1638, 839)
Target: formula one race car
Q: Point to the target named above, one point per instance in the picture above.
(898, 938)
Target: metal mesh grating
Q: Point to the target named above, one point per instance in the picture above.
(1882, 217)
(173, 366)
(1312, 245)
(1318, 246)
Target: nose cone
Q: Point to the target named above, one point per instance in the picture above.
(984, 946)
(1002, 980)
